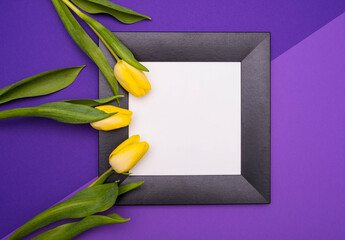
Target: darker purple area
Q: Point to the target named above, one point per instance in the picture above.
(42, 161)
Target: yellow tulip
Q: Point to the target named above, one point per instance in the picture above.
(131, 79)
(127, 154)
(121, 119)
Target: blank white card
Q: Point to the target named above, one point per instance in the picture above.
(191, 118)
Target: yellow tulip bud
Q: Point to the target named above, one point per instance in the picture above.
(121, 119)
(131, 79)
(127, 154)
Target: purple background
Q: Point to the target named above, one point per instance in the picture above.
(42, 161)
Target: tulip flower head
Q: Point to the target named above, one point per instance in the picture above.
(127, 154)
(121, 119)
(131, 79)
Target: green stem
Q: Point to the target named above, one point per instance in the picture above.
(17, 112)
(101, 179)
(74, 8)
(87, 19)
(106, 44)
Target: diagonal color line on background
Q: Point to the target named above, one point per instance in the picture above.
(53, 159)
(308, 135)
(278, 37)
(307, 87)
(307, 101)
(65, 198)
(307, 81)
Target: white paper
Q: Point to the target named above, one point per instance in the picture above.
(191, 118)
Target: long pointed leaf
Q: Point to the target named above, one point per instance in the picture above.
(71, 230)
(91, 102)
(114, 45)
(86, 202)
(129, 187)
(86, 44)
(122, 14)
(40, 84)
(101, 179)
(59, 111)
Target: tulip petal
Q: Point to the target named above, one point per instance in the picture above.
(125, 78)
(112, 109)
(128, 156)
(114, 122)
(145, 149)
(119, 120)
(139, 76)
(131, 79)
(131, 140)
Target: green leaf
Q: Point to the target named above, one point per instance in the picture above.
(101, 179)
(129, 187)
(40, 84)
(86, 202)
(122, 14)
(91, 103)
(115, 46)
(59, 111)
(126, 173)
(71, 230)
(86, 44)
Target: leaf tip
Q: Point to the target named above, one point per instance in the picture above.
(140, 183)
(81, 67)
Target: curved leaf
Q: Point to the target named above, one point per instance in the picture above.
(40, 84)
(86, 44)
(129, 187)
(101, 179)
(122, 14)
(91, 102)
(115, 46)
(71, 230)
(59, 111)
(86, 202)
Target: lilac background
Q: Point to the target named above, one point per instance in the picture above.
(42, 161)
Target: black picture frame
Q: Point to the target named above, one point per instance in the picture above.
(252, 49)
